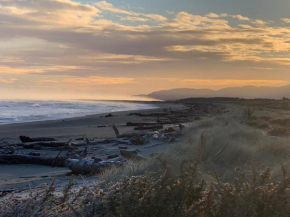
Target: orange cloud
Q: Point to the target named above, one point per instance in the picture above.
(286, 20)
(240, 17)
(105, 6)
(92, 80)
(134, 19)
(8, 81)
(11, 70)
(99, 80)
(156, 17)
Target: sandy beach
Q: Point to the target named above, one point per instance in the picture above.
(96, 128)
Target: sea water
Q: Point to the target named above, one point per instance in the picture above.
(19, 111)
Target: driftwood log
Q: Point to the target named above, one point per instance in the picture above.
(44, 144)
(85, 166)
(28, 159)
(25, 139)
(154, 127)
(130, 124)
(127, 135)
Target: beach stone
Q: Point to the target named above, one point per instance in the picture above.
(112, 156)
(25, 139)
(97, 159)
(181, 127)
(123, 147)
(169, 130)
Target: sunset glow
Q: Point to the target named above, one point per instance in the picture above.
(97, 48)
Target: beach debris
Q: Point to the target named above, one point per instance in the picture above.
(8, 150)
(139, 141)
(110, 141)
(158, 136)
(153, 127)
(28, 159)
(60, 152)
(181, 127)
(26, 139)
(34, 153)
(109, 115)
(130, 124)
(43, 144)
(96, 159)
(131, 135)
(128, 135)
(169, 130)
(80, 139)
(87, 166)
(112, 156)
(116, 130)
(132, 155)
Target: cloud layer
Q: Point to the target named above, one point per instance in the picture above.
(101, 44)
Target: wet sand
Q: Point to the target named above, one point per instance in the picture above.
(94, 127)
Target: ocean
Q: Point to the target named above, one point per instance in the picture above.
(18, 111)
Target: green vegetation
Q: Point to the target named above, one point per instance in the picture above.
(249, 114)
(223, 168)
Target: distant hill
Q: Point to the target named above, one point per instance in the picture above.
(242, 92)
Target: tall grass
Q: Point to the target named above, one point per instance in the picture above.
(223, 168)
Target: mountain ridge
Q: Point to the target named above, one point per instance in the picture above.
(247, 92)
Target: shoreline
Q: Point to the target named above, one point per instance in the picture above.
(96, 135)
(21, 176)
(152, 103)
(76, 126)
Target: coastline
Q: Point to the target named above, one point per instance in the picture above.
(94, 127)
(100, 107)
(79, 125)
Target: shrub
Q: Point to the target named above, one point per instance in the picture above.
(248, 114)
(205, 176)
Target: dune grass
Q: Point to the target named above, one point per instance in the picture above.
(223, 168)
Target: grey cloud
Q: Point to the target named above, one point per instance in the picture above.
(48, 5)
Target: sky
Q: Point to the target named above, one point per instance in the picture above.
(59, 49)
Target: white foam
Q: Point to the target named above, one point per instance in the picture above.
(28, 111)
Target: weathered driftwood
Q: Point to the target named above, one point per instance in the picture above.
(128, 135)
(116, 130)
(132, 155)
(40, 139)
(55, 159)
(154, 127)
(43, 144)
(84, 166)
(138, 141)
(130, 124)
(109, 115)
(28, 159)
